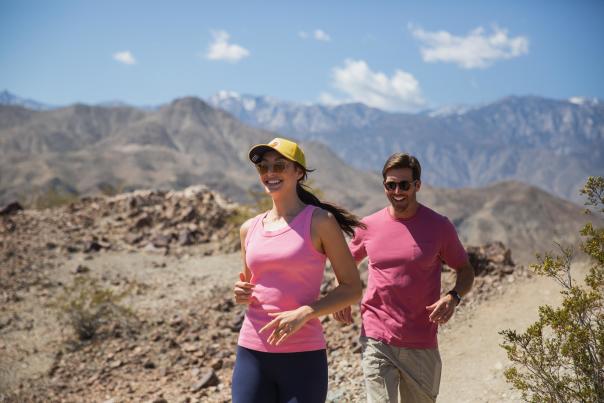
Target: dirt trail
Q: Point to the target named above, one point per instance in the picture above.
(473, 362)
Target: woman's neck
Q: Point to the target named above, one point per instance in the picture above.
(286, 206)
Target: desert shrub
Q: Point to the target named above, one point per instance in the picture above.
(109, 189)
(53, 198)
(261, 202)
(86, 307)
(560, 358)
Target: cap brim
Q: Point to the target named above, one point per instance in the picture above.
(258, 151)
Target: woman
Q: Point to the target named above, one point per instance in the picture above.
(281, 353)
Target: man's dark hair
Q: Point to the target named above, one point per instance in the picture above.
(403, 160)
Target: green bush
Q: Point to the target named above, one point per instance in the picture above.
(86, 306)
(560, 358)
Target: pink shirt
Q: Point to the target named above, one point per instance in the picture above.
(404, 274)
(287, 271)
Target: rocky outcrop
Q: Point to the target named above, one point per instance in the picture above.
(150, 220)
(195, 221)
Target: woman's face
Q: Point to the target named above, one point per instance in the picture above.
(277, 173)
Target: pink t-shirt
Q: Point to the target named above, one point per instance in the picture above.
(287, 271)
(405, 262)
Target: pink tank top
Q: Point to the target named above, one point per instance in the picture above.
(287, 271)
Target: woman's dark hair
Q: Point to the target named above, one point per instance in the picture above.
(345, 219)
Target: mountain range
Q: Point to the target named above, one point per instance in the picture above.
(552, 144)
(82, 149)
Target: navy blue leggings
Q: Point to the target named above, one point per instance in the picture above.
(261, 377)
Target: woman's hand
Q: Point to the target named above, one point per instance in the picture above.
(286, 323)
(243, 291)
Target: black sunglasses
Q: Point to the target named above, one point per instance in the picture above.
(402, 185)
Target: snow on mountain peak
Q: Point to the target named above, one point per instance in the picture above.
(577, 100)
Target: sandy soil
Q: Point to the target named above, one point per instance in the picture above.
(162, 285)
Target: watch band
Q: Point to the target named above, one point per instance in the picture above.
(455, 295)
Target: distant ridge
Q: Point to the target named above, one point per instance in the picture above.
(552, 144)
(8, 98)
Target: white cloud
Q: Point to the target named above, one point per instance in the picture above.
(124, 57)
(317, 34)
(475, 50)
(401, 92)
(221, 49)
(328, 99)
(321, 35)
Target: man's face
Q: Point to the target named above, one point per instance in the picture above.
(396, 181)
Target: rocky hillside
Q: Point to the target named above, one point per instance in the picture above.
(526, 218)
(195, 221)
(179, 344)
(85, 148)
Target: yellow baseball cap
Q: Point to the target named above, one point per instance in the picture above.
(286, 148)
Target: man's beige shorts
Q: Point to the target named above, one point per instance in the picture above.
(394, 374)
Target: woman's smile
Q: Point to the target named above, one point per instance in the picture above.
(273, 184)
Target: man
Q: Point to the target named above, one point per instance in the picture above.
(406, 243)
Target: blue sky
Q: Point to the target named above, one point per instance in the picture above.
(394, 55)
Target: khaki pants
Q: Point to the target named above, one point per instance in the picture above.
(394, 374)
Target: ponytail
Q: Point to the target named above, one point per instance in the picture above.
(345, 219)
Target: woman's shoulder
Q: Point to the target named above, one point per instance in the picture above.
(322, 217)
(245, 227)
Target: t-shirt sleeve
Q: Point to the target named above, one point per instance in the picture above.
(357, 245)
(452, 251)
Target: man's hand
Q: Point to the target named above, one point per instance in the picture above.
(243, 291)
(344, 316)
(442, 310)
